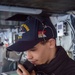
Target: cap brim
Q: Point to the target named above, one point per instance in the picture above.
(21, 46)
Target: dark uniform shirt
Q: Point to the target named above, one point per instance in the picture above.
(60, 65)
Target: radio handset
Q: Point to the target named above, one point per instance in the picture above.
(27, 65)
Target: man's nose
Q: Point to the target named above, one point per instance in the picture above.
(28, 55)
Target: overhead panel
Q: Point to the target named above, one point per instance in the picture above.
(51, 6)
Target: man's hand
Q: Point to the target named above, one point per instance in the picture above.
(23, 71)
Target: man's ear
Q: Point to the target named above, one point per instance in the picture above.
(52, 43)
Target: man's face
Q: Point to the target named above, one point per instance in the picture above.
(39, 54)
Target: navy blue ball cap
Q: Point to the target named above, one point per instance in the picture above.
(33, 31)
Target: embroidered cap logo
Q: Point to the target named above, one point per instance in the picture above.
(24, 28)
